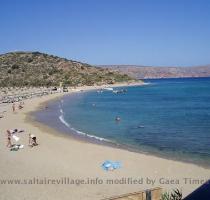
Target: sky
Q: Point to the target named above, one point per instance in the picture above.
(104, 32)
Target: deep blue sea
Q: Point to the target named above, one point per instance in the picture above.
(168, 118)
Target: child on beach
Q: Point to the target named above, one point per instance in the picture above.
(32, 140)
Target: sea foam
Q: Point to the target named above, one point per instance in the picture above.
(63, 121)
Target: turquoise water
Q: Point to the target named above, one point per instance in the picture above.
(168, 117)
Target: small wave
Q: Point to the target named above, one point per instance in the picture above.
(61, 111)
(152, 83)
(61, 118)
(97, 138)
(147, 83)
(90, 136)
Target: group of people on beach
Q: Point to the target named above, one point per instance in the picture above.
(11, 134)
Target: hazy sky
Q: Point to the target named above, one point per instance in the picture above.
(146, 32)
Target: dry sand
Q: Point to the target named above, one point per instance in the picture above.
(58, 156)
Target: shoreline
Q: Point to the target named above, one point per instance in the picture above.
(107, 143)
(84, 138)
(93, 139)
(80, 159)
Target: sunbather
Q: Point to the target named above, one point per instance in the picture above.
(14, 131)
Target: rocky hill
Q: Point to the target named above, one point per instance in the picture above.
(147, 72)
(40, 69)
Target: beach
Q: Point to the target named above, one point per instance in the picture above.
(61, 167)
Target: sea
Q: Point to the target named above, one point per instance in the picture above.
(168, 118)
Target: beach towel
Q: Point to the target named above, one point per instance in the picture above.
(15, 138)
(21, 146)
(110, 165)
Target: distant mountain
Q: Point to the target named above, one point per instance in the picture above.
(147, 72)
(40, 69)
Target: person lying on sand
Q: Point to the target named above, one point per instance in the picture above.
(14, 131)
(32, 140)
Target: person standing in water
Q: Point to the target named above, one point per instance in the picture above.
(117, 119)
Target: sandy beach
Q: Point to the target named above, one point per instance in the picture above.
(61, 167)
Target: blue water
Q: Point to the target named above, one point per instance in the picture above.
(168, 117)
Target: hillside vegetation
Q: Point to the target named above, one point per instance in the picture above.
(40, 69)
